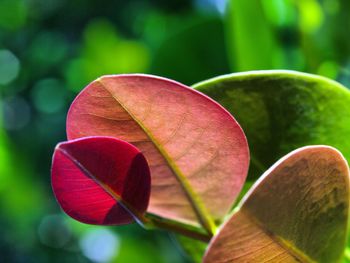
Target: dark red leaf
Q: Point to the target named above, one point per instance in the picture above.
(101, 180)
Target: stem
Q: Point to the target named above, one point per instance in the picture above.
(150, 222)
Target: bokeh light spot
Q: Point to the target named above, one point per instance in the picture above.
(219, 5)
(311, 15)
(16, 113)
(279, 12)
(9, 66)
(329, 69)
(48, 48)
(53, 231)
(48, 96)
(99, 245)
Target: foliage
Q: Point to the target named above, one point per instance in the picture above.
(197, 154)
(296, 212)
(283, 110)
(176, 129)
(48, 54)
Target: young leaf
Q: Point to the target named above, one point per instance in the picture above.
(283, 110)
(196, 151)
(101, 180)
(296, 212)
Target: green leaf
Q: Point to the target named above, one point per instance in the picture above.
(283, 110)
(205, 56)
(252, 41)
(296, 212)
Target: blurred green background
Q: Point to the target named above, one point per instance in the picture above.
(51, 49)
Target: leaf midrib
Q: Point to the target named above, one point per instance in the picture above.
(135, 214)
(285, 244)
(203, 215)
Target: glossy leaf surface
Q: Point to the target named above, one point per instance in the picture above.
(191, 143)
(283, 110)
(296, 212)
(101, 180)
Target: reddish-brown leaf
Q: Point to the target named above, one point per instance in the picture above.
(197, 152)
(297, 212)
(101, 180)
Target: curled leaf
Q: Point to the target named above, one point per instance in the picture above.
(296, 212)
(101, 180)
(197, 152)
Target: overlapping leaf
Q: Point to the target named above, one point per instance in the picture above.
(101, 180)
(297, 212)
(196, 151)
(282, 110)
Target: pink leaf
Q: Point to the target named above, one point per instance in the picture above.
(197, 152)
